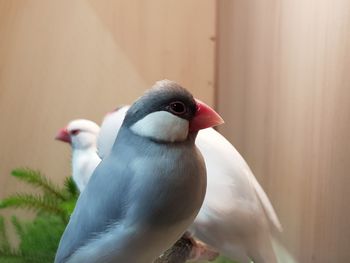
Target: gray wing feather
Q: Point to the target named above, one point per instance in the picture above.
(95, 209)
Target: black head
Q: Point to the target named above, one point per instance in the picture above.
(165, 95)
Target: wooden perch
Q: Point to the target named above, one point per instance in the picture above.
(187, 248)
(180, 252)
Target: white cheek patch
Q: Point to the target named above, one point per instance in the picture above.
(162, 126)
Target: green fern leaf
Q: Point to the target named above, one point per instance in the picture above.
(18, 226)
(68, 206)
(4, 243)
(33, 202)
(36, 179)
(11, 258)
(71, 187)
(40, 238)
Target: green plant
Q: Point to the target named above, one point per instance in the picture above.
(224, 260)
(38, 238)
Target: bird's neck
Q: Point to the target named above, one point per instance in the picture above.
(79, 153)
(136, 140)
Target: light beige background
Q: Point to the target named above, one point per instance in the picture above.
(284, 91)
(61, 60)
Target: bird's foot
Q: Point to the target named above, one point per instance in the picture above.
(201, 251)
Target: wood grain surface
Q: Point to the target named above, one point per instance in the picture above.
(284, 92)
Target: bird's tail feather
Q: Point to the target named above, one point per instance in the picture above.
(266, 204)
(282, 254)
(263, 252)
(272, 252)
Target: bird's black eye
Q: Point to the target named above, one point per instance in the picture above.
(177, 107)
(74, 132)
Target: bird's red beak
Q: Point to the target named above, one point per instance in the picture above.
(205, 117)
(63, 136)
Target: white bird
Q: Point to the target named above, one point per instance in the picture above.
(236, 215)
(111, 126)
(81, 135)
(236, 218)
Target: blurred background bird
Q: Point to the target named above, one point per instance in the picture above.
(81, 135)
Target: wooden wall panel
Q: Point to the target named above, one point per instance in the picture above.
(284, 92)
(65, 59)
